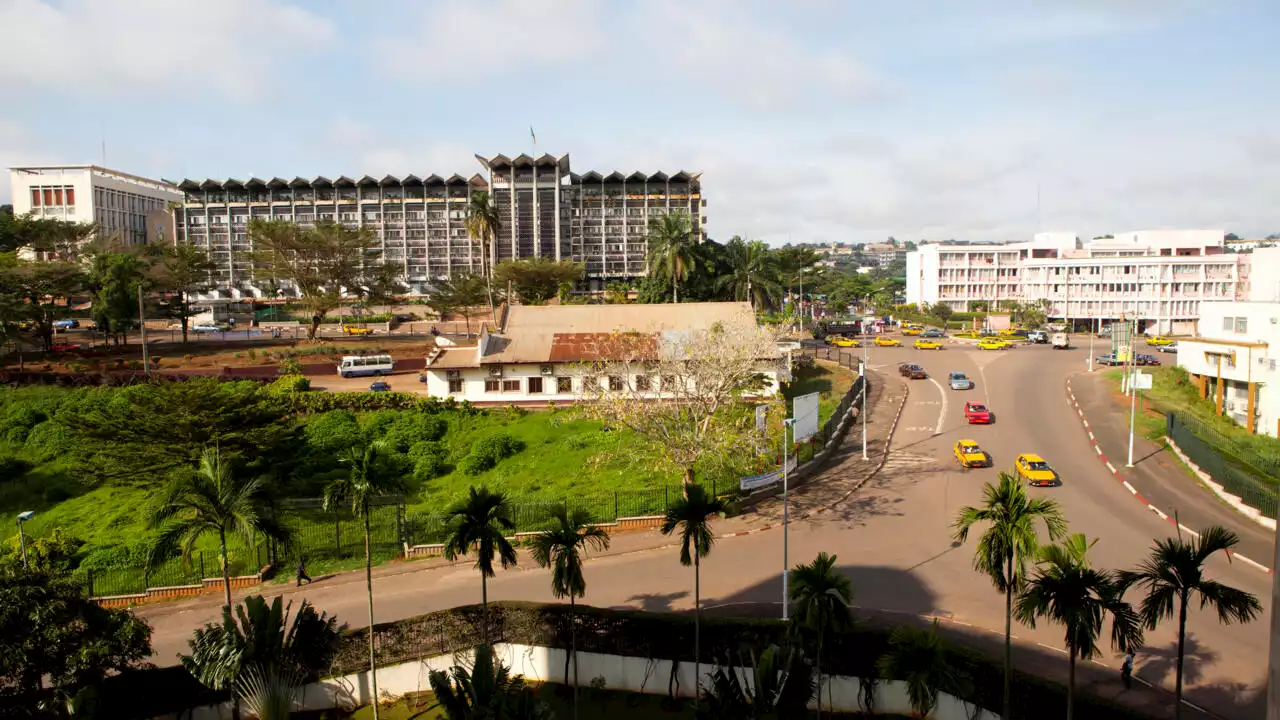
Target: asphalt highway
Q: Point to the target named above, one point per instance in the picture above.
(893, 537)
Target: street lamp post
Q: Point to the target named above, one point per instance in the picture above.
(786, 424)
(22, 538)
(862, 373)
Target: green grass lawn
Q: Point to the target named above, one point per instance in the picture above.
(830, 379)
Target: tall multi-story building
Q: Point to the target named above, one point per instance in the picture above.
(131, 208)
(883, 254)
(544, 210)
(1158, 276)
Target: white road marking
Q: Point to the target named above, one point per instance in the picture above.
(1249, 561)
(1130, 488)
(1091, 437)
(1095, 447)
(1111, 467)
(1158, 512)
(942, 416)
(1086, 424)
(1050, 647)
(1188, 530)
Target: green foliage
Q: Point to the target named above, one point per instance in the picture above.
(115, 278)
(536, 280)
(487, 452)
(13, 467)
(922, 660)
(290, 366)
(332, 432)
(50, 632)
(287, 384)
(429, 459)
(121, 556)
(365, 401)
(54, 553)
(485, 690)
(781, 685)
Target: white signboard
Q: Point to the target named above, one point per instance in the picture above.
(805, 411)
(751, 482)
(1141, 380)
(762, 418)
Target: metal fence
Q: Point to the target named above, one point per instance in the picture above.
(244, 558)
(1240, 470)
(853, 394)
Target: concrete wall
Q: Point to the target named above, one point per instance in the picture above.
(541, 664)
(473, 380)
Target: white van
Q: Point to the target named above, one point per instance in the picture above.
(1060, 341)
(355, 366)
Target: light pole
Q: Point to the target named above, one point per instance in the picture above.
(786, 423)
(1133, 394)
(22, 538)
(862, 373)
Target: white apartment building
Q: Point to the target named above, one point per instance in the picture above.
(1159, 276)
(883, 254)
(131, 208)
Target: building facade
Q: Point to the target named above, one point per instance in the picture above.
(133, 209)
(544, 211)
(883, 254)
(1161, 276)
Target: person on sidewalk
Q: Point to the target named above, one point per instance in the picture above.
(1126, 671)
(302, 570)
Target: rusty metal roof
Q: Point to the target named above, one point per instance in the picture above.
(578, 347)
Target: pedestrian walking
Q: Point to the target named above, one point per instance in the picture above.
(302, 570)
(1126, 670)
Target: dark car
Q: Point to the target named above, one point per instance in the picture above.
(932, 333)
(65, 324)
(379, 386)
(912, 371)
(64, 347)
(1147, 360)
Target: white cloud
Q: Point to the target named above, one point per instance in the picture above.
(457, 40)
(105, 48)
(367, 151)
(17, 147)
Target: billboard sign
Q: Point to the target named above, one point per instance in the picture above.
(805, 411)
(1140, 380)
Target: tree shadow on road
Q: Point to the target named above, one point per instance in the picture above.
(1157, 664)
(657, 602)
(1250, 701)
(873, 586)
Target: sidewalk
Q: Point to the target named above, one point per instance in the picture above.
(844, 472)
(1157, 475)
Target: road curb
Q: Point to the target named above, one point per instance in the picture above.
(1115, 472)
(884, 457)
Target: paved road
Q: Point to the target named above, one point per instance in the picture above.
(893, 537)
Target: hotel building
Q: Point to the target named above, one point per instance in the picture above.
(544, 210)
(131, 208)
(1159, 276)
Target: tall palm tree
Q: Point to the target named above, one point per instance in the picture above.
(1173, 573)
(671, 246)
(477, 522)
(922, 660)
(690, 516)
(214, 499)
(820, 598)
(368, 477)
(753, 273)
(1009, 541)
(560, 549)
(1064, 589)
(483, 224)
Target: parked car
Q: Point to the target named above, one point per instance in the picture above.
(209, 328)
(1170, 348)
(959, 381)
(379, 386)
(970, 455)
(64, 347)
(911, 371)
(1147, 360)
(977, 414)
(65, 324)
(932, 333)
(1159, 341)
(1033, 469)
(1108, 359)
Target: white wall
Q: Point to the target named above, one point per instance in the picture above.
(540, 664)
(474, 379)
(1264, 274)
(1252, 364)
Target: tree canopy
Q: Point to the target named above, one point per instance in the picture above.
(537, 280)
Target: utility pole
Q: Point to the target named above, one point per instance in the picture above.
(142, 327)
(786, 423)
(863, 374)
(1133, 394)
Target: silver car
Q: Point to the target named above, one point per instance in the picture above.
(960, 381)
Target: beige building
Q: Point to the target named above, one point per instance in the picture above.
(124, 206)
(542, 352)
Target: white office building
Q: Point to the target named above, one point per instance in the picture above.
(131, 208)
(1159, 276)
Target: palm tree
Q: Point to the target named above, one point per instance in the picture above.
(820, 598)
(560, 549)
(483, 224)
(753, 273)
(477, 522)
(691, 517)
(780, 687)
(671, 246)
(368, 476)
(1065, 590)
(486, 690)
(922, 660)
(1010, 539)
(212, 500)
(1173, 573)
(262, 656)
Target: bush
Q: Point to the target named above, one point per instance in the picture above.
(48, 439)
(410, 428)
(12, 467)
(289, 384)
(290, 366)
(332, 432)
(487, 452)
(125, 556)
(429, 460)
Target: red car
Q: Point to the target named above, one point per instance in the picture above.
(64, 347)
(977, 414)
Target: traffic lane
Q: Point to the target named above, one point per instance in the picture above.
(400, 382)
(1099, 506)
(1159, 477)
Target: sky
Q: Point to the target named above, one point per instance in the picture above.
(810, 120)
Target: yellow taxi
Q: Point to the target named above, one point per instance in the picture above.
(967, 334)
(1035, 470)
(1007, 332)
(356, 330)
(970, 455)
(923, 344)
(887, 342)
(1159, 341)
(843, 342)
(912, 330)
(989, 344)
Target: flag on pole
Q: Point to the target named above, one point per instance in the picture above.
(531, 135)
